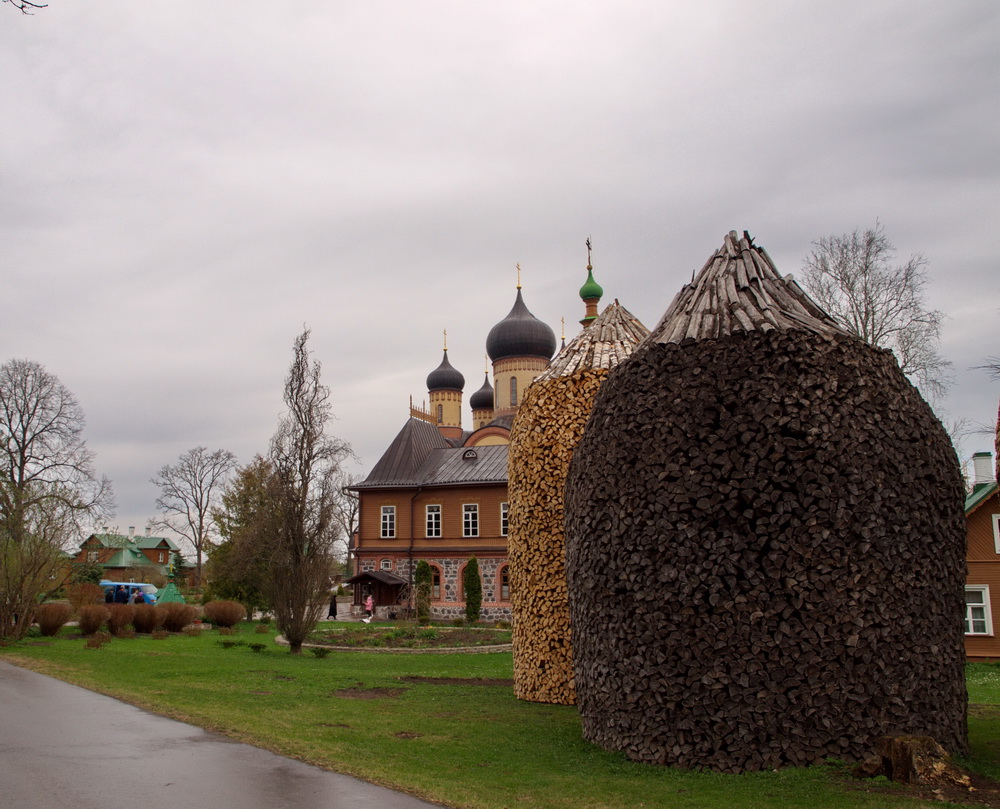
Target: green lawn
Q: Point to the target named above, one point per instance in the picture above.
(410, 722)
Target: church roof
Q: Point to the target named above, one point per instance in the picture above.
(739, 290)
(420, 456)
(482, 399)
(408, 450)
(445, 377)
(520, 334)
(609, 339)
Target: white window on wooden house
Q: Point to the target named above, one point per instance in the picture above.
(996, 532)
(388, 522)
(162, 557)
(470, 520)
(433, 521)
(978, 620)
(92, 556)
(503, 520)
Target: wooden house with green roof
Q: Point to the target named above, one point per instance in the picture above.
(127, 558)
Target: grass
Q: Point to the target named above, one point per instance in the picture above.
(443, 726)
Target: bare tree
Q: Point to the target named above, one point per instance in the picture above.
(853, 277)
(346, 506)
(306, 465)
(25, 6)
(188, 493)
(48, 487)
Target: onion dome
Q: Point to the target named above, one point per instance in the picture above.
(482, 399)
(520, 334)
(445, 377)
(591, 289)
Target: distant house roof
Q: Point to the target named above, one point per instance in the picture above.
(129, 550)
(420, 456)
(979, 496)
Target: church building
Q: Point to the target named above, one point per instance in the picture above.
(439, 492)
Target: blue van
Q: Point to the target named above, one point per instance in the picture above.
(148, 590)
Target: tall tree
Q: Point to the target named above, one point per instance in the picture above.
(238, 568)
(472, 587)
(188, 493)
(306, 463)
(855, 278)
(49, 489)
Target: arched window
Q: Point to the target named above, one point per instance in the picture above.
(440, 414)
(513, 391)
(503, 577)
(435, 583)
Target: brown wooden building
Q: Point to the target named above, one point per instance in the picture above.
(982, 584)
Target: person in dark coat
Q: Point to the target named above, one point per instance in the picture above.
(121, 595)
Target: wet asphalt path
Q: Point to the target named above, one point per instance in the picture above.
(64, 746)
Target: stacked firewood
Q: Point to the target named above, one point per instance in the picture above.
(764, 539)
(547, 427)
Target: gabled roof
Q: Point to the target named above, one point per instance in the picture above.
(419, 456)
(405, 455)
(465, 465)
(980, 496)
(383, 576)
(145, 543)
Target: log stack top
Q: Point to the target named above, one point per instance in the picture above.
(739, 290)
(609, 339)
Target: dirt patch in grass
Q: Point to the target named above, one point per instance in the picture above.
(369, 693)
(458, 681)
(410, 636)
(405, 734)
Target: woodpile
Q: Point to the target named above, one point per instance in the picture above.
(547, 427)
(764, 539)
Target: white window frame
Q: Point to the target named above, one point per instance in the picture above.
(470, 519)
(987, 610)
(385, 564)
(432, 520)
(388, 522)
(996, 532)
(504, 519)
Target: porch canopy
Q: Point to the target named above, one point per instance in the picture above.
(384, 586)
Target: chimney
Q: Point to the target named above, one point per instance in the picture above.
(147, 530)
(131, 532)
(982, 470)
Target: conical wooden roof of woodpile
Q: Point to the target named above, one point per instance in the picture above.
(739, 290)
(609, 339)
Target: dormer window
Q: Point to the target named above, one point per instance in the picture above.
(470, 455)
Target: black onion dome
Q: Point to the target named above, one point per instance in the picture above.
(482, 399)
(445, 377)
(520, 334)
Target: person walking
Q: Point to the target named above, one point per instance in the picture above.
(369, 607)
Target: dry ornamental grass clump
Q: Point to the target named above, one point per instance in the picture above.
(765, 539)
(91, 618)
(175, 616)
(52, 617)
(224, 613)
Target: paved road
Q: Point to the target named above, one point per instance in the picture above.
(64, 746)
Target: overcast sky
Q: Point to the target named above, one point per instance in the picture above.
(185, 185)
